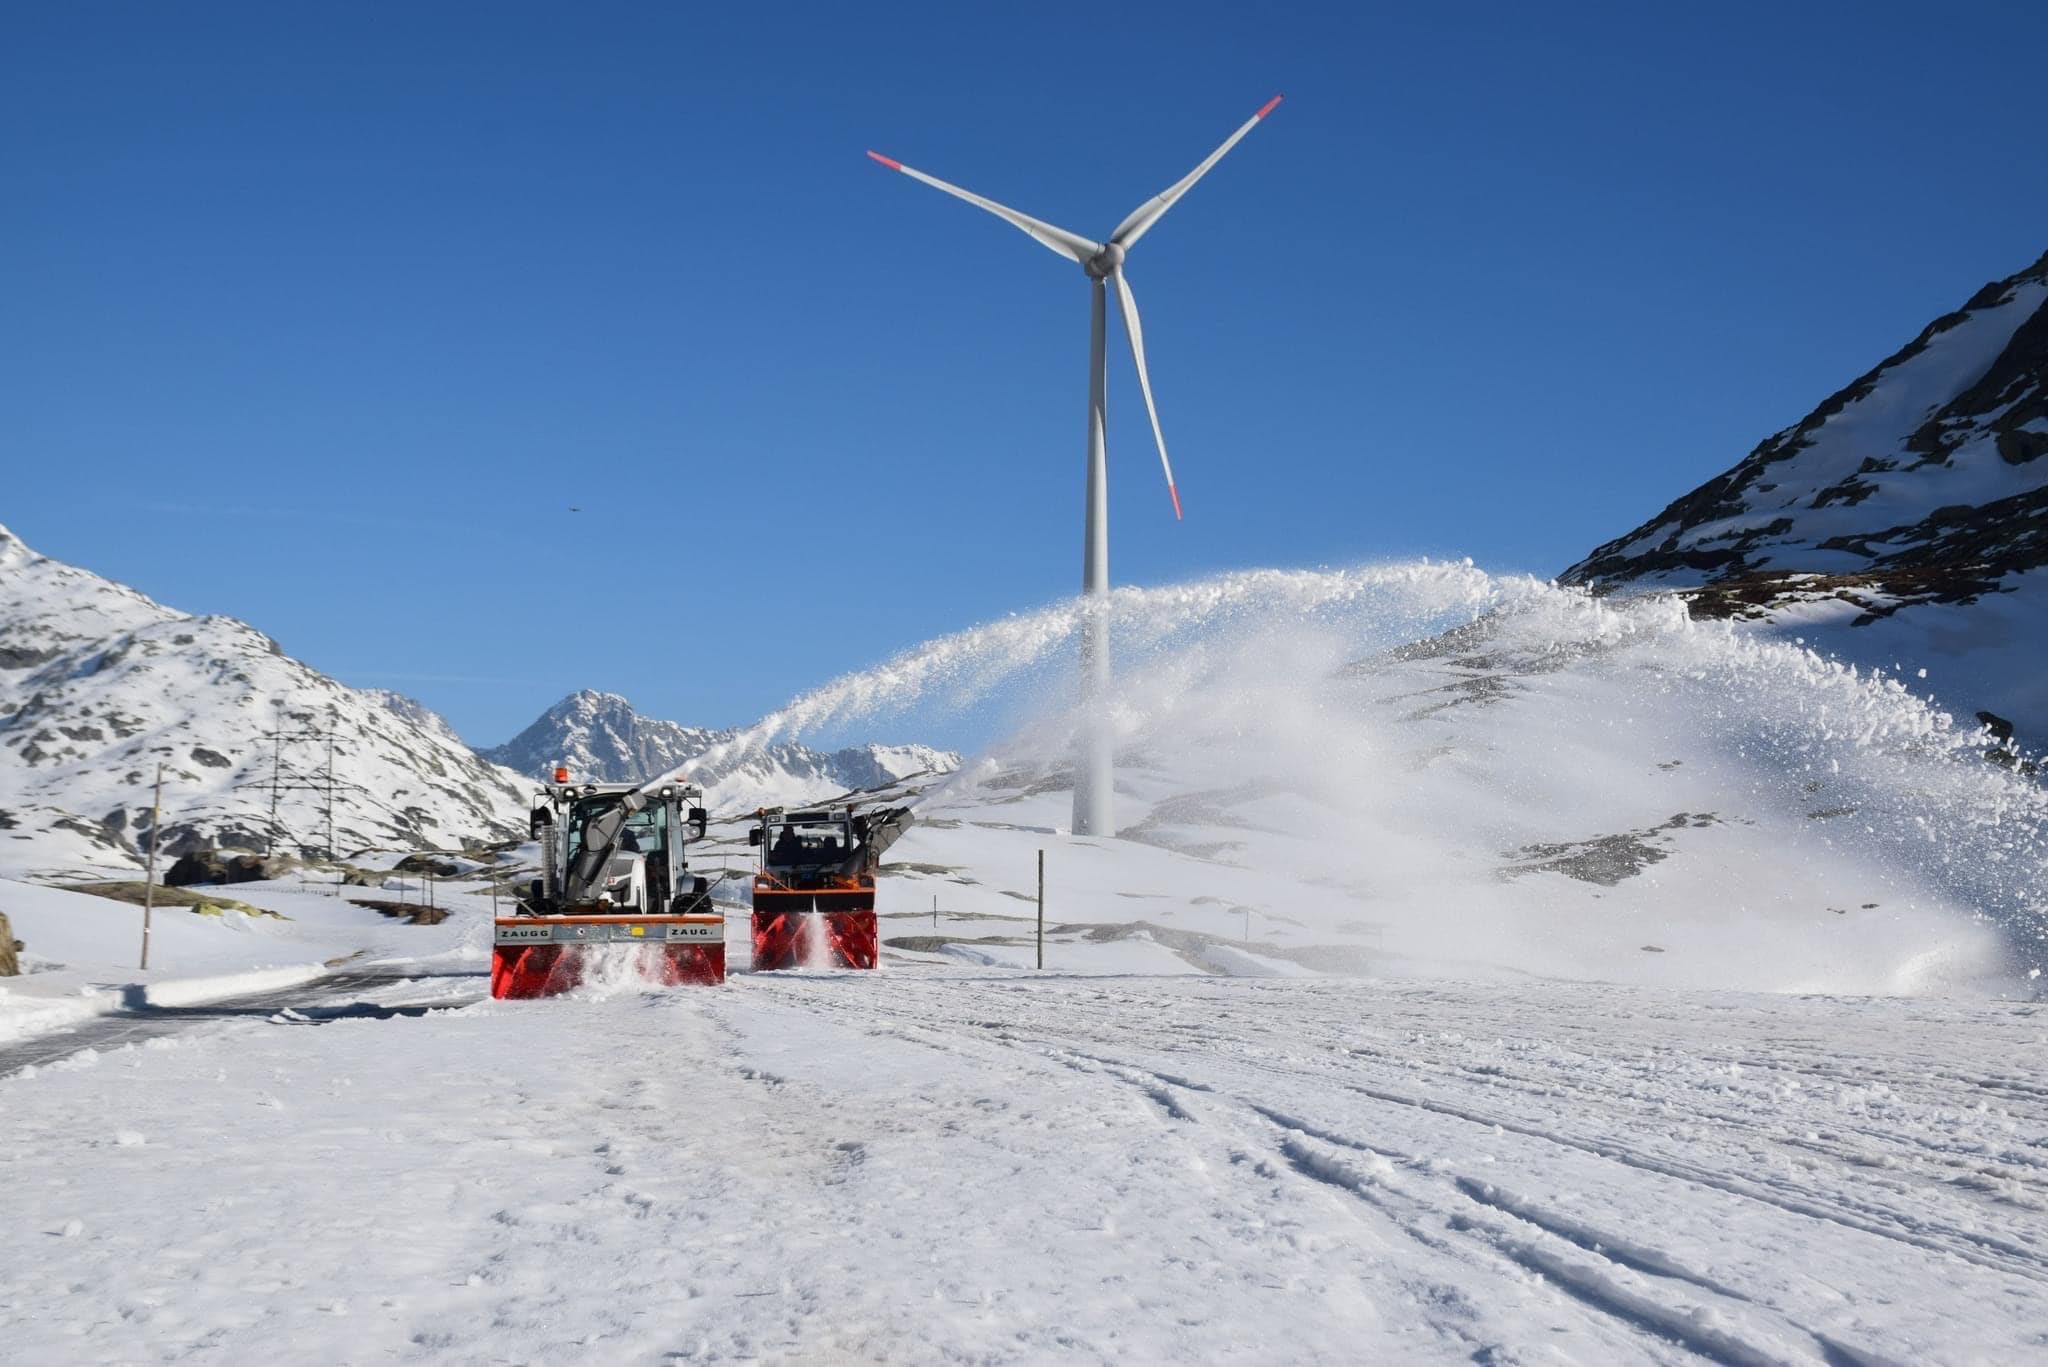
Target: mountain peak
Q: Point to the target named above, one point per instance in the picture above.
(601, 739)
(13, 550)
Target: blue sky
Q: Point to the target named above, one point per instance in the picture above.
(323, 316)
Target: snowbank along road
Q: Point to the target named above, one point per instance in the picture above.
(961, 1164)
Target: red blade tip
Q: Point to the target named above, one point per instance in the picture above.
(1176, 501)
(1264, 110)
(898, 166)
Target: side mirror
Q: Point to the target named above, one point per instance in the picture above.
(700, 822)
(754, 836)
(538, 824)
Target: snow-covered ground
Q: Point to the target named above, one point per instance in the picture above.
(969, 1164)
(82, 951)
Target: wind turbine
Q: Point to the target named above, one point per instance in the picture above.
(1094, 781)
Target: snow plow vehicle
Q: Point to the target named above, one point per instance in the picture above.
(615, 896)
(814, 896)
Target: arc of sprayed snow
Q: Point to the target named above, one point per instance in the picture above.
(1019, 643)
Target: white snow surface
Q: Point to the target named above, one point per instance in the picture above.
(82, 952)
(968, 1164)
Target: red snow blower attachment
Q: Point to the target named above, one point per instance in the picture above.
(814, 898)
(615, 900)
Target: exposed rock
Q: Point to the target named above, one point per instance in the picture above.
(429, 864)
(213, 866)
(1605, 859)
(417, 913)
(10, 949)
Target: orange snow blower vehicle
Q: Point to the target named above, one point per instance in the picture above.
(615, 895)
(814, 897)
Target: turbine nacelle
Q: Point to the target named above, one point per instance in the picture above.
(1105, 263)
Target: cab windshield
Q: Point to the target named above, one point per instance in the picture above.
(807, 842)
(646, 830)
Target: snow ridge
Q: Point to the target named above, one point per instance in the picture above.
(1933, 459)
(1901, 526)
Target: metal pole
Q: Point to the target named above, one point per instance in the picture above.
(935, 911)
(1094, 777)
(276, 777)
(156, 817)
(1041, 908)
(330, 787)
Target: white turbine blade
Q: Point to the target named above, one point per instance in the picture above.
(1137, 336)
(1145, 215)
(1070, 245)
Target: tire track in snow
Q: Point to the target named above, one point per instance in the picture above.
(1264, 1054)
(1770, 1340)
(1409, 1216)
(1241, 1149)
(1985, 1250)
(1982, 1248)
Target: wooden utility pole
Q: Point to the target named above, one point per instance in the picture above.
(156, 826)
(1041, 908)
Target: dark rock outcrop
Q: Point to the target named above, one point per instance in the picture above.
(212, 866)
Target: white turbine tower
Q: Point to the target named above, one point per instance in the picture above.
(1094, 781)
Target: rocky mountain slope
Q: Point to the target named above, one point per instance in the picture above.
(98, 683)
(600, 737)
(1902, 524)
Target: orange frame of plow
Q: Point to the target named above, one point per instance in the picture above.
(536, 956)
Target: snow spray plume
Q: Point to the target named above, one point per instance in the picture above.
(1497, 766)
(961, 670)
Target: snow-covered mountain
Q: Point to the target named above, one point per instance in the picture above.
(601, 738)
(98, 682)
(1903, 524)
